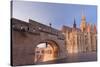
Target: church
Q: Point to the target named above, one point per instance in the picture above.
(83, 39)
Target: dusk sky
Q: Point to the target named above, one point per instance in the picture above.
(57, 14)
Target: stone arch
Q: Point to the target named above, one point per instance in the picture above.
(53, 46)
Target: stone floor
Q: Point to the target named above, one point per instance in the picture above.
(80, 57)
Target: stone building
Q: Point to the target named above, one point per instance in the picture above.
(83, 39)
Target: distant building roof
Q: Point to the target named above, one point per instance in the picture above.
(67, 28)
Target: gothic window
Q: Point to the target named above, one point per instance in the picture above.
(86, 40)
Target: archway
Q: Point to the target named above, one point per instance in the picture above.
(46, 51)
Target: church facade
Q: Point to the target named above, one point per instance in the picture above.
(83, 39)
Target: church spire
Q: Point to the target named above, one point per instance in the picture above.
(74, 25)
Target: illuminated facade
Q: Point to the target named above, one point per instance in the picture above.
(83, 39)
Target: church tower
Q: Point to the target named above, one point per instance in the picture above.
(83, 24)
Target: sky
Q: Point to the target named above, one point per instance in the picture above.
(57, 14)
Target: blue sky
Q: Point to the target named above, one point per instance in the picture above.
(57, 14)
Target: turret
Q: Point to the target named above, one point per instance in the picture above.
(88, 28)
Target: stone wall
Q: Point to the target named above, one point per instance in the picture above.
(27, 35)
